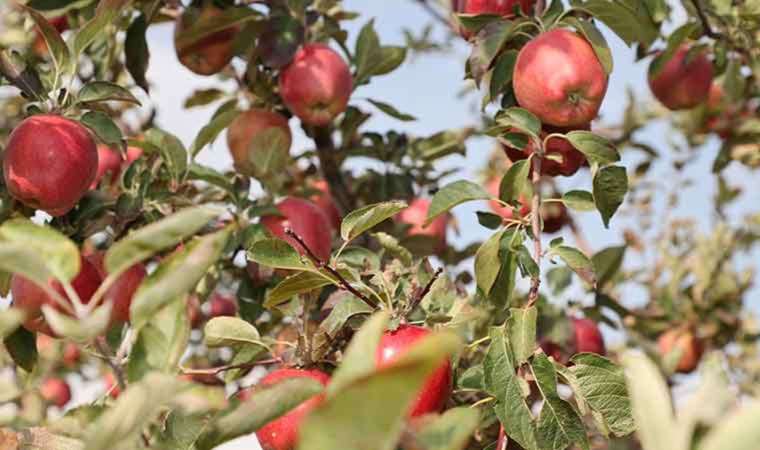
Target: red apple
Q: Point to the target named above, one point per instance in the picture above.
(554, 214)
(437, 388)
(325, 201)
(682, 82)
(316, 85)
(111, 164)
(570, 159)
(282, 433)
(30, 298)
(551, 348)
(307, 221)
(222, 305)
(60, 23)
(210, 54)
(504, 8)
(56, 391)
(71, 354)
(122, 291)
(415, 215)
(253, 132)
(493, 187)
(194, 314)
(686, 343)
(112, 386)
(49, 163)
(588, 338)
(559, 78)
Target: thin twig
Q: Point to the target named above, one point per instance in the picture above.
(220, 369)
(706, 23)
(418, 298)
(323, 265)
(536, 224)
(434, 13)
(102, 346)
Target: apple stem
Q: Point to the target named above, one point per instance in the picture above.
(342, 282)
(536, 223)
(220, 369)
(102, 346)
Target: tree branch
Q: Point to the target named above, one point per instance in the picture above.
(344, 284)
(220, 369)
(330, 168)
(420, 295)
(705, 22)
(535, 283)
(105, 351)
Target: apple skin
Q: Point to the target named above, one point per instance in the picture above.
(681, 84)
(30, 298)
(437, 388)
(194, 313)
(588, 338)
(282, 433)
(689, 345)
(56, 391)
(122, 291)
(504, 8)
(316, 85)
(245, 128)
(49, 348)
(307, 221)
(111, 164)
(415, 215)
(210, 54)
(221, 305)
(554, 214)
(325, 201)
(112, 386)
(572, 159)
(49, 163)
(551, 348)
(559, 78)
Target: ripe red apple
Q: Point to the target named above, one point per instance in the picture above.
(111, 164)
(437, 388)
(49, 163)
(588, 338)
(493, 186)
(559, 78)
(211, 53)
(686, 343)
(60, 23)
(316, 85)
(222, 305)
(122, 291)
(682, 82)
(56, 391)
(307, 221)
(570, 159)
(282, 433)
(551, 348)
(504, 8)
(415, 215)
(254, 132)
(325, 201)
(112, 386)
(553, 214)
(30, 298)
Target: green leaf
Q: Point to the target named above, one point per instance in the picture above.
(173, 152)
(391, 111)
(211, 176)
(502, 382)
(578, 262)
(391, 57)
(488, 263)
(228, 18)
(392, 246)
(596, 148)
(385, 396)
(520, 119)
(450, 431)
(501, 74)
(230, 332)
(630, 21)
(26, 261)
(104, 127)
(597, 41)
(106, 12)
(454, 194)
(59, 51)
(559, 425)
(268, 153)
(602, 385)
(359, 357)
(368, 52)
(489, 43)
(607, 262)
(177, 275)
(265, 405)
(363, 219)
(293, 285)
(610, 187)
(203, 97)
(579, 200)
(348, 307)
(100, 91)
(59, 253)
(10, 320)
(738, 431)
(160, 343)
(162, 235)
(210, 132)
(656, 426)
(21, 345)
(675, 39)
(80, 329)
(278, 254)
(515, 182)
(136, 52)
(521, 327)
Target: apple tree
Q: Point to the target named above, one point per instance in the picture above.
(303, 300)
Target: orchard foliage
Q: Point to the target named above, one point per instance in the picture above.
(324, 307)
